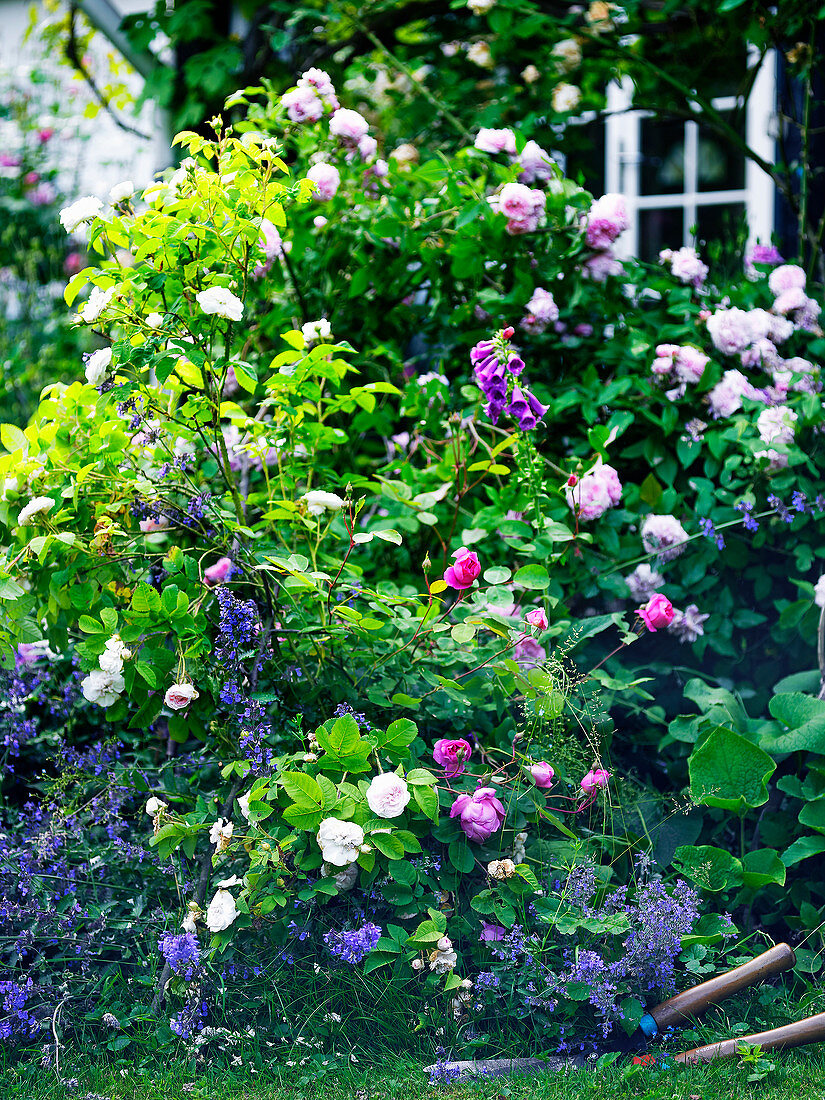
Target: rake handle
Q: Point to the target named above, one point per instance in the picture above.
(797, 1034)
(693, 1002)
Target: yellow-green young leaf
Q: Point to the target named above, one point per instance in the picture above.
(438, 586)
(276, 215)
(75, 285)
(189, 374)
(295, 340)
(12, 438)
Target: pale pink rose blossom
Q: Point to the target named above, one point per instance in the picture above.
(221, 571)
(528, 653)
(595, 492)
(326, 178)
(302, 105)
(535, 163)
(388, 795)
(348, 125)
(664, 536)
(179, 696)
(606, 220)
(785, 278)
(488, 140)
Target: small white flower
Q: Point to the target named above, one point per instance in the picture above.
(220, 301)
(154, 320)
(480, 54)
(339, 841)
(480, 7)
(314, 331)
(243, 805)
(83, 210)
(222, 911)
(566, 97)
(221, 833)
(154, 806)
(36, 507)
(97, 365)
(99, 299)
(179, 696)
(121, 191)
(444, 957)
(102, 687)
(388, 795)
(188, 923)
(819, 592)
(318, 502)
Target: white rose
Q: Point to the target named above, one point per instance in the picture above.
(179, 696)
(219, 300)
(83, 210)
(154, 806)
(36, 507)
(121, 191)
(318, 501)
(222, 911)
(97, 365)
(481, 54)
(501, 868)
(221, 833)
(97, 303)
(313, 331)
(480, 7)
(566, 97)
(819, 592)
(188, 923)
(243, 805)
(154, 320)
(339, 841)
(387, 795)
(102, 687)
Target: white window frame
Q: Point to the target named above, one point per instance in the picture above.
(623, 162)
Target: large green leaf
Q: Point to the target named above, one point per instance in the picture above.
(711, 868)
(762, 868)
(729, 771)
(343, 745)
(803, 848)
(805, 718)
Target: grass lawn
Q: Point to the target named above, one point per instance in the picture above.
(796, 1075)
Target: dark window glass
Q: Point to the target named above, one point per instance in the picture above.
(720, 222)
(721, 164)
(660, 229)
(662, 147)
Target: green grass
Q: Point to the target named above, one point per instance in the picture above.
(797, 1075)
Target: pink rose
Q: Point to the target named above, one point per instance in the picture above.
(326, 178)
(542, 774)
(537, 617)
(348, 125)
(302, 104)
(491, 933)
(179, 696)
(595, 778)
(463, 572)
(480, 814)
(607, 219)
(73, 263)
(221, 571)
(657, 612)
(388, 795)
(452, 755)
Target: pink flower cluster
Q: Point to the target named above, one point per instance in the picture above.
(685, 265)
(480, 814)
(535, 163)
(314, 92)
(606, 221)
(522, 206)
(679, 363)
(272, 245)
(596, 492)
(726, 396)
(489, 140)
(326, 178)
(541, 311)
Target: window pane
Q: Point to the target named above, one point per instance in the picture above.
(660, 229)
(662, 147)
(721, 165)
(724, 223)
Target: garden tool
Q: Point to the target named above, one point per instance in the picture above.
(693, 1002)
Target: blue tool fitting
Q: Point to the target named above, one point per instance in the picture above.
(649, 1027)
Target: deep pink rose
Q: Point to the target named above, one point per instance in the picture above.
(221, 571)
(481, 814)
(595, 778)
(452, 755)
(542, 774)
(537, 617)
(464, 569)
(657, 612)
(491, 933)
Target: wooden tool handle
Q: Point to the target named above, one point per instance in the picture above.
(811, 1030)
(693, 1002)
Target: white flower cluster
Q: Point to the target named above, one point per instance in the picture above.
(220, 834)
(39, 506)
(97, 366)
(105, 684)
